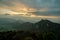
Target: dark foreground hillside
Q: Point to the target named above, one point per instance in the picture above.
(26, 35)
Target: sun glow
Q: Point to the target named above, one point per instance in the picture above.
(25, 13)
(31, 15)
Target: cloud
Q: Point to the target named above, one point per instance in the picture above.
(16, 6)
(40, 7)
(41, 3)
(49, 13)
(37, 4)
(34, 3)
(30, 9)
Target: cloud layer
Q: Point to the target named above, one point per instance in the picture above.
(32, 9)
(31, 5)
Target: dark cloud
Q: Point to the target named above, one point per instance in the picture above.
(49, 13)
(41, 3)
(38, 4)
(0, 0)
(35, 3)
(6, 14)
(6, 2)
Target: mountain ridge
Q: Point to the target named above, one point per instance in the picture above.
(42, 25)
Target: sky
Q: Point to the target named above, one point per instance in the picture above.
(30, 10)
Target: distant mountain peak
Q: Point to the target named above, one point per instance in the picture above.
(44, 21)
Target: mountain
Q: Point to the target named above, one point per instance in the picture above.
(22, 26)
(46, 25)
(9, 20)
(6, 20)
(7, 24)
(42, 25)
(27, 26)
